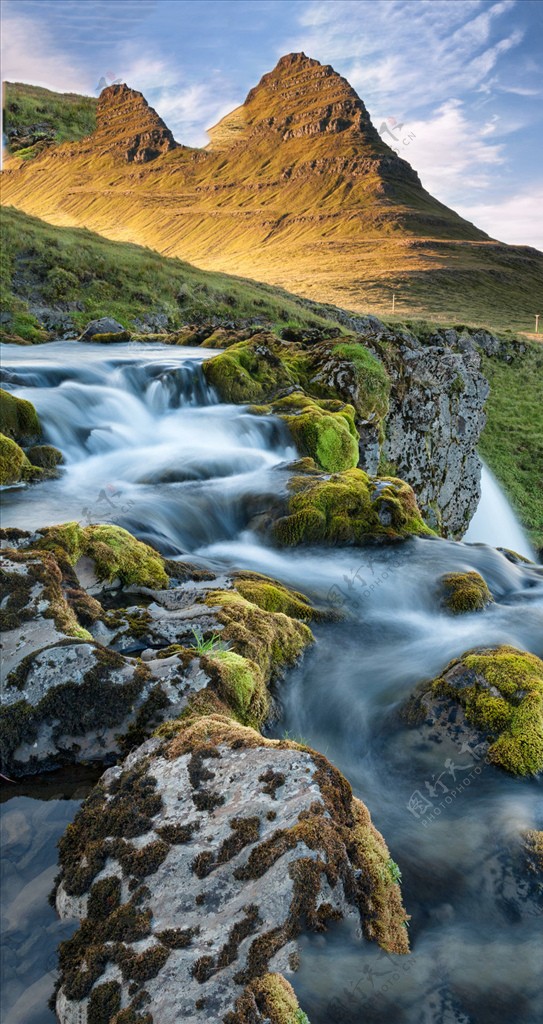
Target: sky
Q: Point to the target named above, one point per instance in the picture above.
(457, 83)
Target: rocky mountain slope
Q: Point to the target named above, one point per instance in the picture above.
(296, 188)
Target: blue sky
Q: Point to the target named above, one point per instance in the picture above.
(464, 77)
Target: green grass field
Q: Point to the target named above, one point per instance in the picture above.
(60, 266)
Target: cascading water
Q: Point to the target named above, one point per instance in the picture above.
(148, 446)
(495, 522)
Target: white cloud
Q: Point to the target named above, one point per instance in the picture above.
(451, 154)
(401, 53)
(516, 220)
(41, 63)
(186, 109)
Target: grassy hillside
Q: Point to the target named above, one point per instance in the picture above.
(74, 270)
(35, 118)
(512, 442)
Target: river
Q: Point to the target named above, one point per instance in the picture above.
(148, 446)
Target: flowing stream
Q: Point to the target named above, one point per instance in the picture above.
(148, 446)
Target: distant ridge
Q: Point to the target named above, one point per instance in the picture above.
(296, 188)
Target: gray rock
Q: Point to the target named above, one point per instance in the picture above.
(105, 325)
(258, 840)
(436, 418)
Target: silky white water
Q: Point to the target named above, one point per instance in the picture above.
(148, 446)
(495, 522)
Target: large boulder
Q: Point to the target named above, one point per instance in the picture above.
(86, 683)
(196, 864)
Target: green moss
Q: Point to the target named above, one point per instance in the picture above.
(108, 339)
(349, 508)
(273, 998)
(114, 551)
(274, 597)
(465, 592)
(501, 692)
(46, 456)
(323, 430)
(14, 465)
(249, 371)
(372, 379)
(241, 685)
(18, 418)
(271, 640)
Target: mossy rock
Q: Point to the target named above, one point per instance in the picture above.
(114, 551)
(269, 640)
(501, 692)
(249, 371)
(323, 430)
(46, 457)
(15, 467)
(272, 596)
(18, 418)
(241, 686)
(348, 508)
(465, 592)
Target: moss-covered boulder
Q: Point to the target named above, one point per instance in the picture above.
(116, 554)
(46, 457)
(18, 419)
(76, 686)
(501, 693)
(200, 861)
(348, 508)
(15, 467)
(251, 371)
(464, 592)
(323, 430)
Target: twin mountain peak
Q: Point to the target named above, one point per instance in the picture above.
(296, 188)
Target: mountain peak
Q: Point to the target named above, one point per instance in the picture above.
(299, 97)
(126, 124)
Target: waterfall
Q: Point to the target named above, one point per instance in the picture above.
(494, 522)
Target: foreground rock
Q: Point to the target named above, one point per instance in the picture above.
(102, 640)
(196, 865)
(491, 699)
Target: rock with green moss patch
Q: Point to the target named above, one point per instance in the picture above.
(216, 888)
(105, 326)
(465, 592)
(46, 457)
(115, 553)
(15, 468)
(323, 430)
(203, 644)
(18, 419)
(498, 693)
(348, 508)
